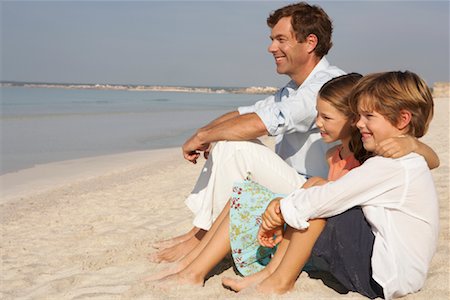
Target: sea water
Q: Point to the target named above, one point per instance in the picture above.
(41, 125)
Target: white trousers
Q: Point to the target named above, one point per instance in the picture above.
(230, 162)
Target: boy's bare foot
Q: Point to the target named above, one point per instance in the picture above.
(238, 284)
(174, 253)
(275, 285)
(175, 240)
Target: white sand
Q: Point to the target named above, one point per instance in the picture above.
(82, 229)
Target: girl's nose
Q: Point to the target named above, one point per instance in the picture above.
(318, 121)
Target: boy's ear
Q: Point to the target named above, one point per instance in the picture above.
(404, 119)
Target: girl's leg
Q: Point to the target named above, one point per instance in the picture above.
(297, 254)
(178, 250)
(242, 283)
(213, 252)
(186, 260)
(164, 244)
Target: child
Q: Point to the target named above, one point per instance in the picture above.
(249, 200)
(389, 255)
(216, 244)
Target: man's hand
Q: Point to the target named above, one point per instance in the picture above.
(192, 148)
(397, 146)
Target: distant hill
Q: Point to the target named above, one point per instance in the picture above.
(159, 88)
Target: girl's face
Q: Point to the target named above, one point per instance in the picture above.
(375, 128)
(333, 124)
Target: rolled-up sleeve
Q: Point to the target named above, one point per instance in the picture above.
(292, 108)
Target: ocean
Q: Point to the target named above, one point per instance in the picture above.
(42, 125)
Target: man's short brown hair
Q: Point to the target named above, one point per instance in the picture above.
(305, 20)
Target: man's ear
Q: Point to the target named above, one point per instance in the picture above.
(404, 119)
(311, 41)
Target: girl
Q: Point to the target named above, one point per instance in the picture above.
(389, 254)
(249, 200)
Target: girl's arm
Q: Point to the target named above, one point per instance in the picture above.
(402, 145)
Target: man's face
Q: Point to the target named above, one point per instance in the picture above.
(290, 55)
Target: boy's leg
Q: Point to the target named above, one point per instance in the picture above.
(297, 254)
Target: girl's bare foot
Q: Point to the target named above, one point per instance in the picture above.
(175, 240)
(169, 270)
(174, 253)
(182, 278)
(238, 284)
(275, 285)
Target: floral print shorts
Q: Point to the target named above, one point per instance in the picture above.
(248, 202)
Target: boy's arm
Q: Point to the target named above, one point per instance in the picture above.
(402, 145)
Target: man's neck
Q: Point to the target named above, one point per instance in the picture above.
(306, 70)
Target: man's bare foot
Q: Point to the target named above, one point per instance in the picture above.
(275, 285)
(175, 240)
(174, 253)
(238, 284)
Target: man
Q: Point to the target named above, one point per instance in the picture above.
(301, 37)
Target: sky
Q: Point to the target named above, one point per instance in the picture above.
(208, 43)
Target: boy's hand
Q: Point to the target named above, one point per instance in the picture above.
(272, 217)
(397, 146)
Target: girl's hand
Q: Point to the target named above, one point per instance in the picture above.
(272, 217)
(397, 146)
(270, 238)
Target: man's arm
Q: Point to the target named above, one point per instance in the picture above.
(229, 127)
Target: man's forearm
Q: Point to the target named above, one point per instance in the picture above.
(220, 119)
(238, 128)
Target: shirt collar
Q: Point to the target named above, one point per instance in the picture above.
(322, 65)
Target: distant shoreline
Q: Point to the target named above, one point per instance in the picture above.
(145, 88)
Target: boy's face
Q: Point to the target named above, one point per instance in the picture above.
(375, 128)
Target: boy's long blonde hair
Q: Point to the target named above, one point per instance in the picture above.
(336, 92)
(390, 92)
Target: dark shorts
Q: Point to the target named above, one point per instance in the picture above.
(344, 249)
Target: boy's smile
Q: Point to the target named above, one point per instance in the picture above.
(375, 128)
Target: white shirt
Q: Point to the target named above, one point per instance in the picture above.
(399, 201)
(290, 115)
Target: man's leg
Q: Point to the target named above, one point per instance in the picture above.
(212, 253)
(187, 259)
(230, 162)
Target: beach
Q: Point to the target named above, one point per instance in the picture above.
(82, 229)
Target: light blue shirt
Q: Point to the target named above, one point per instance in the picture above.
(290, 116)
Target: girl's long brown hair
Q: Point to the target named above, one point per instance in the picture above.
(336, 92)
